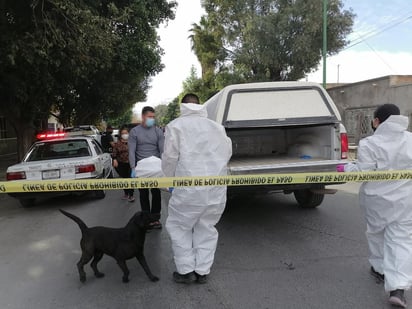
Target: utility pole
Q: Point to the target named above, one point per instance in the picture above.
(325, 14)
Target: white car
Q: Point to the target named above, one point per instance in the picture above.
(68, 158)
(85, 130)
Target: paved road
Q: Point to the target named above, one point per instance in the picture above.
(271, 254)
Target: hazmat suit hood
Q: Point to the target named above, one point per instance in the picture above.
(395, 123)
(191, 109)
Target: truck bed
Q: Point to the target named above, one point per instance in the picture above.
(279, 164)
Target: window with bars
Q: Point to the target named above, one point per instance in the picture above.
(358, 123)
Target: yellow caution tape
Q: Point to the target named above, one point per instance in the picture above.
(201, 181)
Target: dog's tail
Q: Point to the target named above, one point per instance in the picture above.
(82, 225)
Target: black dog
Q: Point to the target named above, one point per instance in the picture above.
(122, 244)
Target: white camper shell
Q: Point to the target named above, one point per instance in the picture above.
(281, 127)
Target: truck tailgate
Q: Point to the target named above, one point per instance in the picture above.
(279, 164)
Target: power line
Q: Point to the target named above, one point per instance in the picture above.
(381, 58)
(401, 13)
(374, 33)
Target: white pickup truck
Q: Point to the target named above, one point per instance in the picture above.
(281, 127)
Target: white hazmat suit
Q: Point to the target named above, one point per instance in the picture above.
(388, 205)
(195, 146)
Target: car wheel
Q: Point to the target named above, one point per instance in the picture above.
(308, 199)
(100, 194)
(27, 202)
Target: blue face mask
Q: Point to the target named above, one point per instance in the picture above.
(150, 122)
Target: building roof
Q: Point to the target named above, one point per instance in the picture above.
(394, 80)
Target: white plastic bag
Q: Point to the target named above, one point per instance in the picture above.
(149, 167)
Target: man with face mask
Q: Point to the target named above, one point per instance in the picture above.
(195, 146)
(144, 141)
(388, 205)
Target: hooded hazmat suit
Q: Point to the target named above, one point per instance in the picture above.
(195, 146)
(388, 205)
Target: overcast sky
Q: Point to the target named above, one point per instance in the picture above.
(381, 44)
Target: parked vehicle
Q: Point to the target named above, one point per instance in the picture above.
(85, 130)
(68, 158)
(281, 127)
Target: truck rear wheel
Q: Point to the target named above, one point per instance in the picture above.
(308, 199)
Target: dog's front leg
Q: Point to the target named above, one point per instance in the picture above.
(122, 264)
(142, 261)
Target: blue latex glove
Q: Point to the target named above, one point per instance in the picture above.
(133, 174)
(171, 189)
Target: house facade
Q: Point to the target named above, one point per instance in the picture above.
(357, 101)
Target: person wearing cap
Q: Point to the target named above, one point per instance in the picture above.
(195, 146)
(387, 205)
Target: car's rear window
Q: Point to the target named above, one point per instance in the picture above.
(59, 150)
(262, 105)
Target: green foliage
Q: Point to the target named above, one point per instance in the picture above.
(208, 85)
(266, 40)
(173, 111)
(202, 87)
(83, 59)
(121, 120)
(207, 44)
(161, 112)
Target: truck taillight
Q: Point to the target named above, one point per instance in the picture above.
(16, 176)
(85, 168)
(344, 145)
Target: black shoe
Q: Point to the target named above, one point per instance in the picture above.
(186, 278)
(396, 298)
(201, 278)
(378, 276)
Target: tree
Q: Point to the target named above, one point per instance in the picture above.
(121, 120)
(207, 45)
(161, 111)
(82, 59)
(136, 58)
(173, 111)
(202, 87)
(270, 40)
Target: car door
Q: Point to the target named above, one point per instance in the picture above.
(104, 159)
